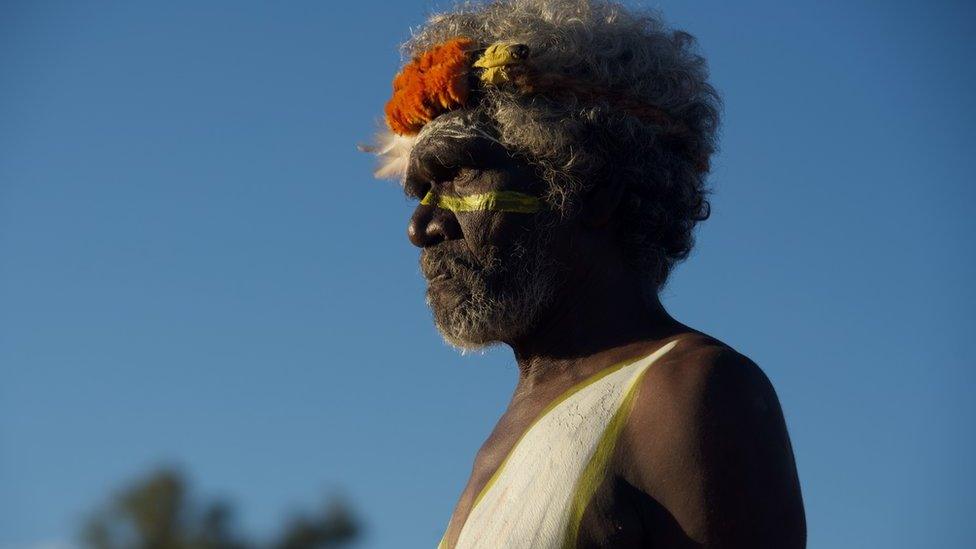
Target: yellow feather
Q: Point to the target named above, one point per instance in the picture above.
(497, 57)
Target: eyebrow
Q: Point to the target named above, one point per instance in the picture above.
(439, 160)
(422, 172)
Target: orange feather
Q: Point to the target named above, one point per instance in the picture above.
(433, 83)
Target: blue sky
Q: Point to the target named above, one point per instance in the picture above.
(197, 268)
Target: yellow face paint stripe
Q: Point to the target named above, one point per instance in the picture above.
(596, 470)
(495, 201)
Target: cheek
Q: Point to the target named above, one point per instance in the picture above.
(485, 232)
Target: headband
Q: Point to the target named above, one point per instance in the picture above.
(445, 77)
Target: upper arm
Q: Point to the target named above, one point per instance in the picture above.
(708, 441)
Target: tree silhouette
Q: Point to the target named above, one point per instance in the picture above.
(157, 512)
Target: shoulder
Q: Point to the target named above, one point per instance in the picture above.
(700, 377)
(706, 438)
(698, 362)
(699, 383)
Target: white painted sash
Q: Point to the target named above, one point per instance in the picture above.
(537, 496)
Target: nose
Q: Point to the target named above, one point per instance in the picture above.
(430, 225)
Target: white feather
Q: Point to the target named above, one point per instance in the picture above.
(392, 152)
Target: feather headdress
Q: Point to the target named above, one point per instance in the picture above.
(441, 79)
(431, 84)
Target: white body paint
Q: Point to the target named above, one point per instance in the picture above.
(528, 502)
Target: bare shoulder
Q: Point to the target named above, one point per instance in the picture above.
(706, 438)
(702, 374)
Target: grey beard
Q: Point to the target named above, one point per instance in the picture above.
(500, 302)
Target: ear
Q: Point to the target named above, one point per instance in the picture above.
(601, 203)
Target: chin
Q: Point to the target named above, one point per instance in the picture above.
(458, 322)
(467, 338)
(476, 309)
(462, 342)
(471, 322)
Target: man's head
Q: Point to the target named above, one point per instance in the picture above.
(489, 270)
(596, 107)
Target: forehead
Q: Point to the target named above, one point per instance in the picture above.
(457, 137)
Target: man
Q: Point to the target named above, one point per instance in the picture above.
(559, 150)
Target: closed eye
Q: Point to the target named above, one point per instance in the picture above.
(425, 173)
(416, 188)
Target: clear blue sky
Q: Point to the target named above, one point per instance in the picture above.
(197, 268)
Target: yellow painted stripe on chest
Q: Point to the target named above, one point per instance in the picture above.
(569, 392)
(537, 496)
(596, 469)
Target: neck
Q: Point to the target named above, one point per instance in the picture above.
(604, 312)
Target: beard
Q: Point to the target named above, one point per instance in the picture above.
(496, 298)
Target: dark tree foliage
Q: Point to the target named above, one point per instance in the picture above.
(157, 512)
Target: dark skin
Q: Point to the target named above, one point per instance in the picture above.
(705, 459)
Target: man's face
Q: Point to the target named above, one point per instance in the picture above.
(490, 274)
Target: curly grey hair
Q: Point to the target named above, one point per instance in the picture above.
(577, 142)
